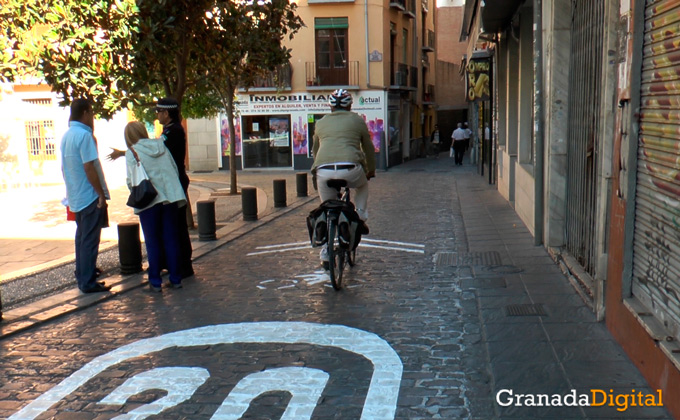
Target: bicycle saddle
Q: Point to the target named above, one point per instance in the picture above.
(336, 183)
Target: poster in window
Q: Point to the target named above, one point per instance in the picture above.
(279, 132)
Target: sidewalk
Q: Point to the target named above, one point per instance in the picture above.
(36, 247)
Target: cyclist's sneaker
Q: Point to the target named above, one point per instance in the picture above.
(323, 256)
(344, 235)
(363, 228)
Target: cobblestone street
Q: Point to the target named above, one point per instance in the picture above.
(422, 330)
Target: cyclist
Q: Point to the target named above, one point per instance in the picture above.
(343, 150)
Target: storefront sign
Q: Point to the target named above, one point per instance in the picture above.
(286, 120)
(478, 86)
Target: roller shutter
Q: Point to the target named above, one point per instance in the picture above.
(656, 248)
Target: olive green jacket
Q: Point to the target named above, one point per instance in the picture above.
(342, 136)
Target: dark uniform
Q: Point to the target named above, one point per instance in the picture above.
(174, 139)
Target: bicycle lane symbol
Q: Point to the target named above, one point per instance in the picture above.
(305, 385)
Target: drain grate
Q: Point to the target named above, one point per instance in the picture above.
(490, 258)
(526, 309)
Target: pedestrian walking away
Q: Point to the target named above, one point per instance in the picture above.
(159, 218)
(434, 140)
(86, 192)
(458, 144)
(467, 135)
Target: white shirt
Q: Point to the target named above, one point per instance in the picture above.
(458, 134)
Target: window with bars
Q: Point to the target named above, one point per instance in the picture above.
(40, 140)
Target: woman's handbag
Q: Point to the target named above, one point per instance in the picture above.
(142, 191)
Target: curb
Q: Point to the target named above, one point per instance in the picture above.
(55, 306)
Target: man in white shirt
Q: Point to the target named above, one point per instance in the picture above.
(458, 144)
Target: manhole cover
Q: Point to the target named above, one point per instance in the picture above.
(526, 309)
(491, 258)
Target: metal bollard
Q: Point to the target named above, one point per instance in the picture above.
(301, 181)
(205, 210)
(129, 248)
(249, 203)
(280, 193)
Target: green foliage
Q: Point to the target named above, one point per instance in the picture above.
(126, 53)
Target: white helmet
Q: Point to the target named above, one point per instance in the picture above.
(340, 99)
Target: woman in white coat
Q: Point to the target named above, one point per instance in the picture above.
(158, 219)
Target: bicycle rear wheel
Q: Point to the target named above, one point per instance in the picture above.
(335, 257)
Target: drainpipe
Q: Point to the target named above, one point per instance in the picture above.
(539, 157)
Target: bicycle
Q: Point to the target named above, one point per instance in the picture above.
(339, 254)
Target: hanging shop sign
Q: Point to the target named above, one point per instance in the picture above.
(477, 79)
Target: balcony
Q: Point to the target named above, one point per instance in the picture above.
(410, 11)
(428, 45)
(403, 76)
(428, 95)
(279, 78)
(339, 77)
(398, 4)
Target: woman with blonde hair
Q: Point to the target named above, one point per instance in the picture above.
(158, 219)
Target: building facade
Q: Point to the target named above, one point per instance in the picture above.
(585, 119)
(31, 127)
(382, 51)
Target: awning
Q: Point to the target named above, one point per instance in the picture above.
(497, 14)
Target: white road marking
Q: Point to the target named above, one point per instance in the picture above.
(380, 241)
(179, 382)
(380, 402)
(365, 242)
(271, 251)
(392, 248)
(304, 384)
(282, 245)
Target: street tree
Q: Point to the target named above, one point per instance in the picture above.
(248, 39)
(126, 53)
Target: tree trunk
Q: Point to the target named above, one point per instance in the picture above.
(232, 139)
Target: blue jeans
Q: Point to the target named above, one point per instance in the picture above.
(88, 234)
(159, 224)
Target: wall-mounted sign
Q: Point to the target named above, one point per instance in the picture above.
(477, 80)
(375, 55)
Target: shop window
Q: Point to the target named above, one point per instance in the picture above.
(40, 140)
(266, 141)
